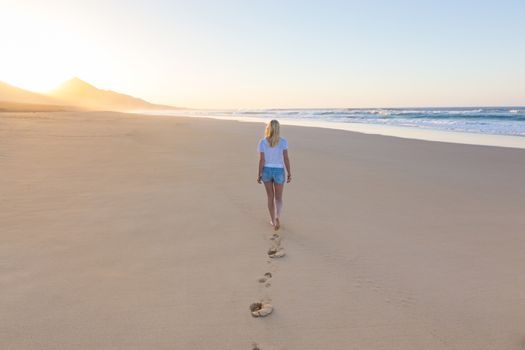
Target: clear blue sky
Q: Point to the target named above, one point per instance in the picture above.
(257, 54)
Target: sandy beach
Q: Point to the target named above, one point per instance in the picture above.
(122, 231)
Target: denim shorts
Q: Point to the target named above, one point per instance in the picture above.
(273, 174)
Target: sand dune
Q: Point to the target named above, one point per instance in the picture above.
(142, 232)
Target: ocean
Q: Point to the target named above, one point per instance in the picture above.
(482, 120)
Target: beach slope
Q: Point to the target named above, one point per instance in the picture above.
(149, 232)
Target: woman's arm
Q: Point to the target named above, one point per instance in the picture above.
(287, 164)
(261, 166)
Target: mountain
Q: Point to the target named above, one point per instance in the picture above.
(12, 94)
(77, 92)
(13, 99)
(73, 94)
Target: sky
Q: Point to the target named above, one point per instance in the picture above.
(272, 54)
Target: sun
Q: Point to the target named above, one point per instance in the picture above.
(36, 55)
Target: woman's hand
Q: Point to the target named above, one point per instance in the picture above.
(259, 179)
(289, 178)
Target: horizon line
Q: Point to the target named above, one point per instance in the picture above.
(363, 108)
(45, 93)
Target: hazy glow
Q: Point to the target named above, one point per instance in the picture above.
(250, 54)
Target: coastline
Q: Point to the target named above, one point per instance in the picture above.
(150, 232)
(425, 134)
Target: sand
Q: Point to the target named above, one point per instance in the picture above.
(137, 232)
(29, 107)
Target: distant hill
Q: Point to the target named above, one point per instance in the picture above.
(12, 94)
(13, 99)
(77, 92)
(73, 94)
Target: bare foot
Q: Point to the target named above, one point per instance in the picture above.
(277, 224)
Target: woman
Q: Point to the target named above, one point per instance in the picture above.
(273, 151)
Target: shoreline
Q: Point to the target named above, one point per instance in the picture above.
(424, 134)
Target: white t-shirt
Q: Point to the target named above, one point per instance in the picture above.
(273, 156)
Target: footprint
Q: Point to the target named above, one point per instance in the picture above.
(266, 277)
(261, 309)
(276, 252)
(276, 240)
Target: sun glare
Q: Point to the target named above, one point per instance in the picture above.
(38, 54)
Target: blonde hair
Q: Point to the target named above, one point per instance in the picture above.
(272, 132)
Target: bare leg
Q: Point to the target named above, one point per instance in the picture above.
(278, 190)
(271, 197)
